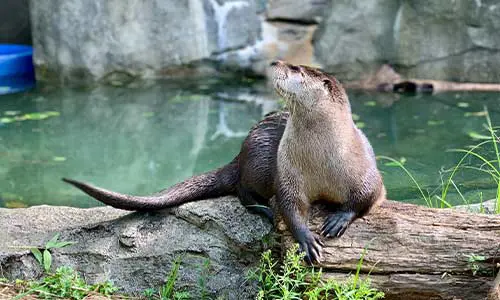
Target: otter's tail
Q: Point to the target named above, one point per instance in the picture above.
(220, 182)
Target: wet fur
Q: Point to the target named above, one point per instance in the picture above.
(314, 153)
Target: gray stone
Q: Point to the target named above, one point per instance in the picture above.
(487, 207)
(309, 11)
(93, 38)
(238, 24)
(484, 27)
(430, 30)
(476, 65)
(137, 250)
(448, 40)
(356, 37)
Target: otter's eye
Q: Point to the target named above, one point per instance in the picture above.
(294, 68)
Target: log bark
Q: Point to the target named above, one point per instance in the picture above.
(414, 252)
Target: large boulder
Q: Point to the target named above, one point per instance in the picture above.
(305, 11)
(444, 40)
(449, 40)
(356, 37)
(137, 250)
(90, 39)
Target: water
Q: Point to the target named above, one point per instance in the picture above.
(140, 139)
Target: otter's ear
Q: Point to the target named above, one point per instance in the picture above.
(328, 84)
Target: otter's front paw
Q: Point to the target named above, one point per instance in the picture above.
(336, 224)
(312, 245)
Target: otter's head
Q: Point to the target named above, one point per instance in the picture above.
(306, 86)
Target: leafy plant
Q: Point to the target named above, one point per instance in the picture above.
(149, 293)
(65, 283)
(293, 280)
(45, 258)
(473, 260)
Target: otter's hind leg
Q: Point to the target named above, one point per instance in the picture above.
(255, 203)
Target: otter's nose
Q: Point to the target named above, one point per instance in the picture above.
(276, 62)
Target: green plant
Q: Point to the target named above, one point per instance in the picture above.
(167, 291)
(45, 258)
(397, 163)
(488, 166)
(149, 293)
(65, 283)
(472, 260)
(293, 280)
(203, 278)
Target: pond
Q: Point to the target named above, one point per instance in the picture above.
(142, 138)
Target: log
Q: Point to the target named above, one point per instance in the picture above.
(385, 79)
(414, 252)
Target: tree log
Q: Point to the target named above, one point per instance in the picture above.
(415, 252)
(387, 80)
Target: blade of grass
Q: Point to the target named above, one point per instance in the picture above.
(400, 165)
(444, 191)
(494, 139)
(459, 193)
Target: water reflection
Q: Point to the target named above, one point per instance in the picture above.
(140, 140)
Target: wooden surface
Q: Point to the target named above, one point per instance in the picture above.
(414, 252)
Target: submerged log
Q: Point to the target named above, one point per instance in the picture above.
(387, 80)
(414, 252)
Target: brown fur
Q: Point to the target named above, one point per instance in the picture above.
(314, 153)
(321, 156)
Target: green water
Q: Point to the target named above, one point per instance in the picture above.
(142, 139)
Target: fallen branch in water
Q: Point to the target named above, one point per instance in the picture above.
(388, 80)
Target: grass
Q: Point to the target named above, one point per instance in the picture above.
(293, 280)
(486, 165)
(168, 291)
(64, 283)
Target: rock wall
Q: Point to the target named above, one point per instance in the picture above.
(137, 250)
(449, 40)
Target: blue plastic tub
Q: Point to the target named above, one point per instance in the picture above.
(16, 68)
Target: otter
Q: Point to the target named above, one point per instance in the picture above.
(313, 152)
